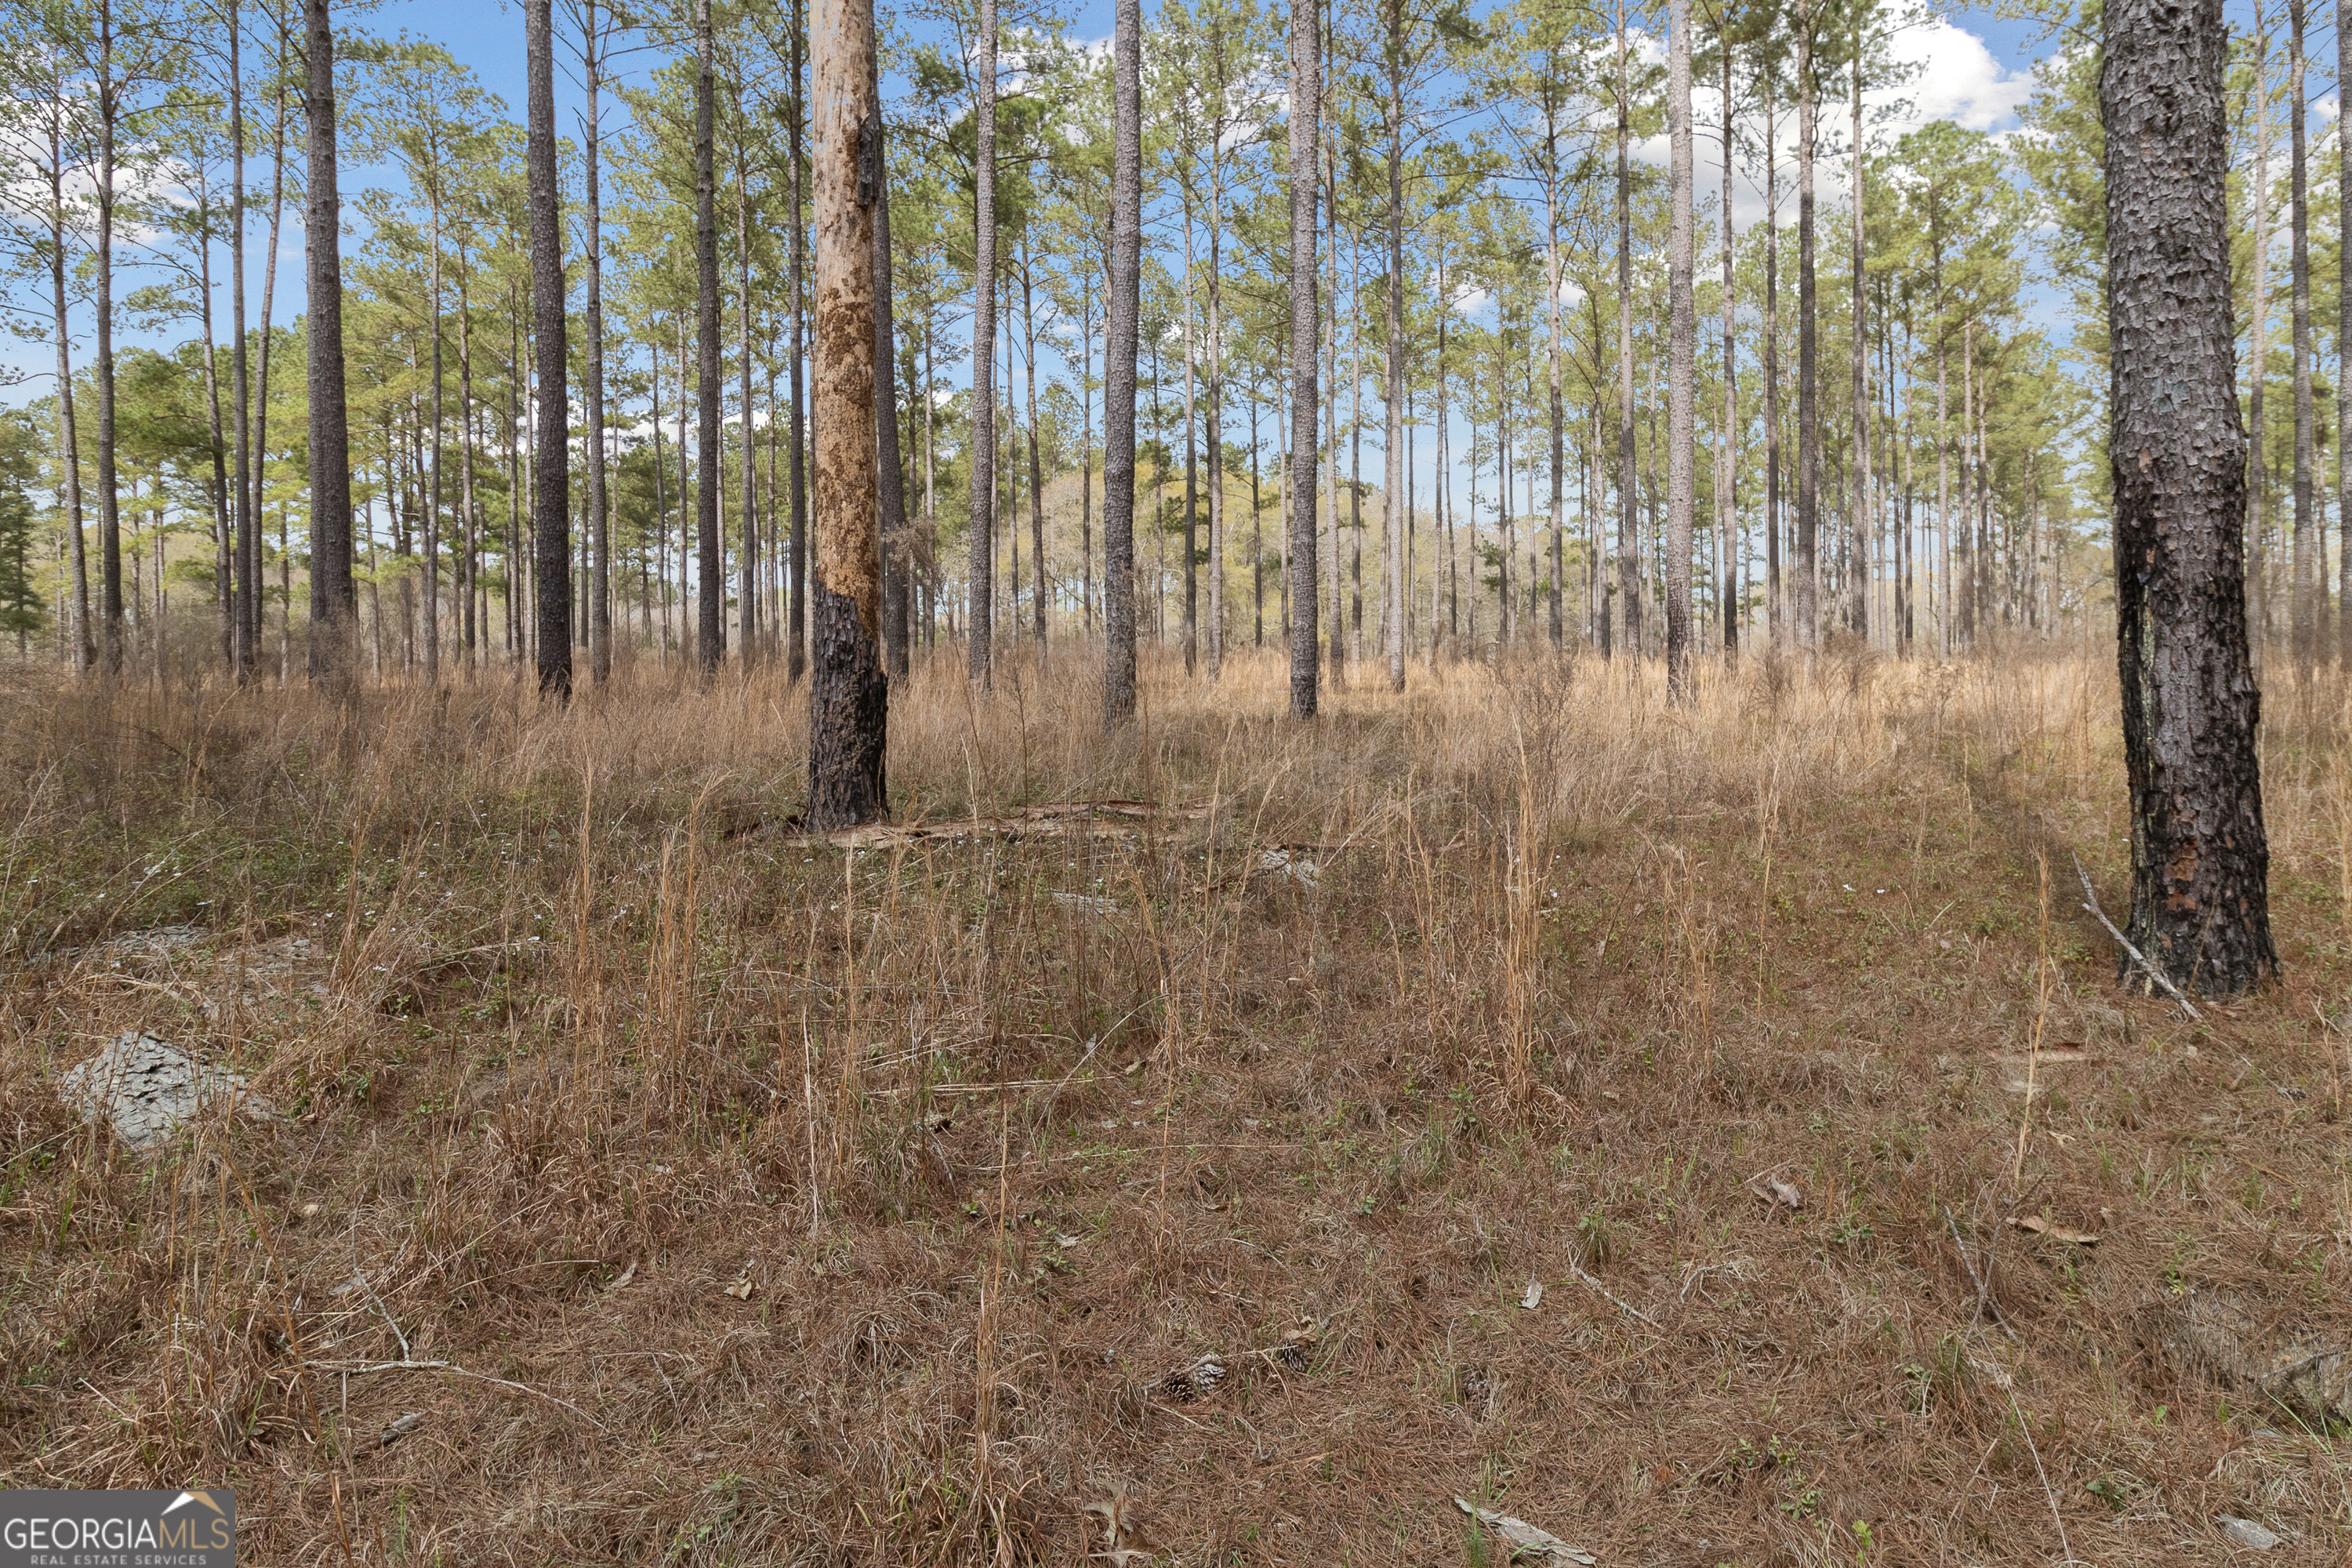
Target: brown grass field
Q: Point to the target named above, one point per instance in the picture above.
(714, 1195)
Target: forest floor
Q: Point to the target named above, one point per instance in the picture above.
(1712, 1137)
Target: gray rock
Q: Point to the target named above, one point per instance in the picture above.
(2246, 1533)
(145, 1089)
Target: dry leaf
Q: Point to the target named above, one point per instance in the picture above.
(1525, 1540)
(1534, 1298)
(742, 1289)
(2035, 1225)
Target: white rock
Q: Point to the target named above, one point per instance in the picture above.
(146, 1088)
(2246, 1533)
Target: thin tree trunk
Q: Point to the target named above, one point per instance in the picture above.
(1629, 563)
(849, 695)
(1682, 355)
(2308, 597)
(2200, 856)
(983, 349)
(796, 629)
(1036, 479)
(1393, 499)
(76, 628)
(109, 504)
(1119, 364)
(1775, 591)
(898, 561)
(1305, 132)
(710, 604)
(333, 604)
(750, 565)
(1807, 606)
(551, 478)
(2344, 343)
(600, 533)
(2259, 507)
(1558, 412)
(1858, 566)
(432, 532)
(1726, 446)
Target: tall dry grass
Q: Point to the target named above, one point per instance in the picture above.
(720, 1194)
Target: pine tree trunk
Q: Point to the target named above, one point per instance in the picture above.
(1118, 366)
(551, 479)
(2201, 858)
(1036, 478)
(897, 556)
(709, 458)
(2307, 549)
(1776, 610)
(751, 566)
(1559, 417)
(795, 451)
(600, 526)
(1629, 563)
(334, 606)
(85, 651)
(1859, 571)
(1393, 501)
(2258, 454)
(110, 503)
(1726, 446)
(1305, 329)
(983, 349)
(1806, 606)
(2344, 343)
(1682, 355)
(849, 696)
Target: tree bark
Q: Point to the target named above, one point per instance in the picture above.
(1807, 606)
(109, 504)
(335, 605)
(1727, 450)
(897, 552)
(550, 530)
(849, 696)
(750, 566)
(85, 651)
(1776, 610)
(599, 526)
(2306, 546)
(1682, 355)
(983, 349)
(1118, 364)
(1629, 561)
(710, 568)
(2177, 454)
(2344, 340)
(1393, 501)
(795, 458)
(1858, 563)
(1305, 329)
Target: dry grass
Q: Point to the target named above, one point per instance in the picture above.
(1005, 1130)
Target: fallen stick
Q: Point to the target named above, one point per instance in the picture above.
(349, 1369)
(2150, 970)
(1591, 1284)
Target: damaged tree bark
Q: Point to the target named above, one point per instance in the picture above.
(2200, 856)
(849, 697)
